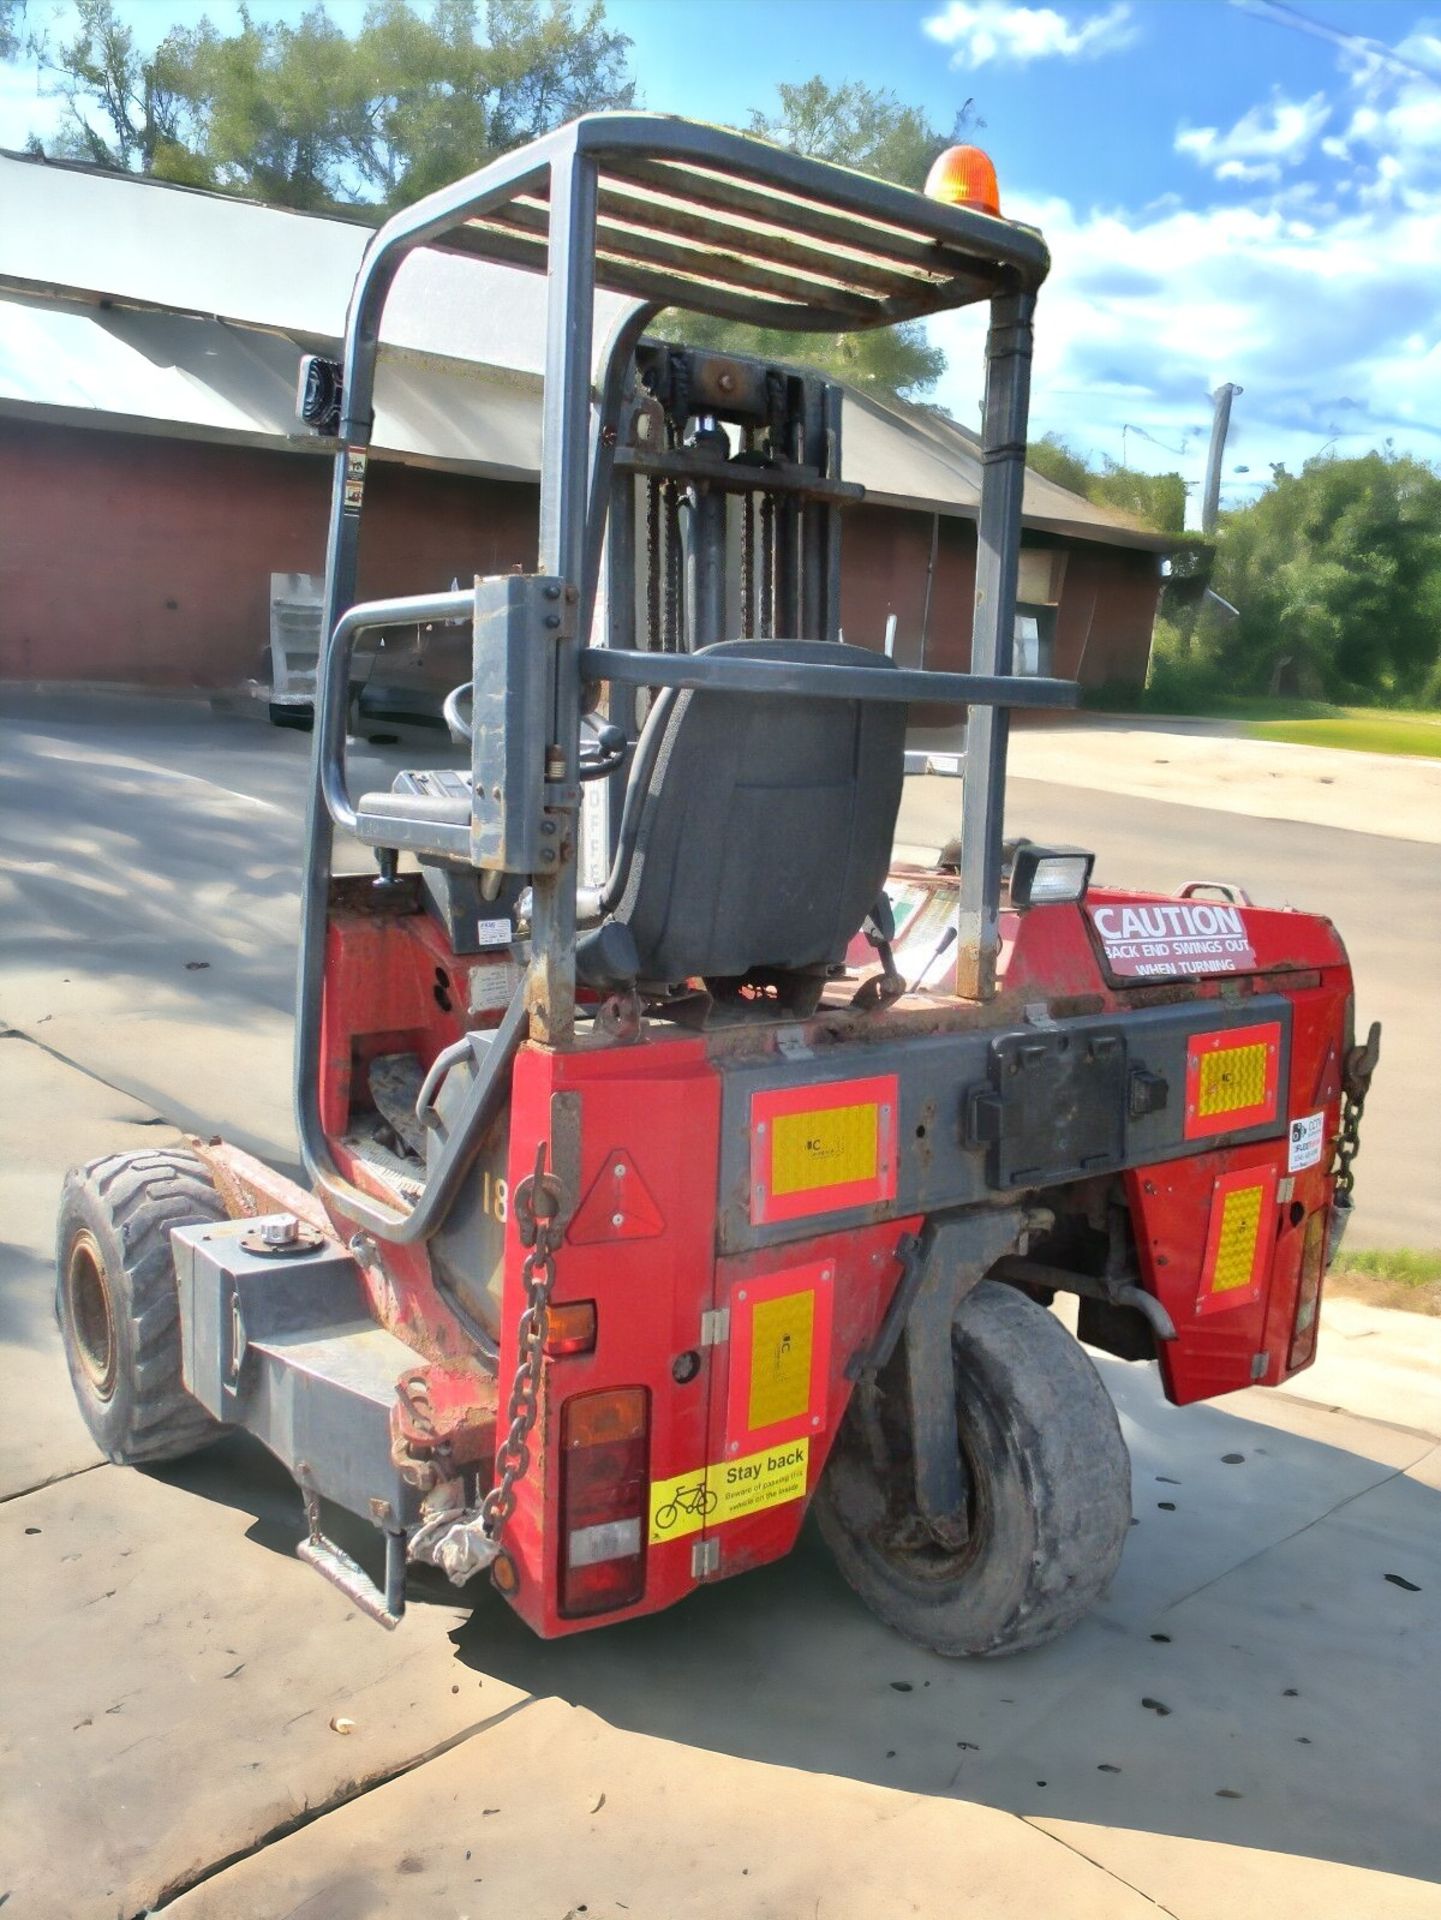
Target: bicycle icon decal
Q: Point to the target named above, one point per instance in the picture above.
(698, 1501)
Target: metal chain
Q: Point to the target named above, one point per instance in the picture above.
(653, 638)
(1356, 1075)
(1349, 1144)
(748, 541)
(673, 563)
(768, 552)
(537, 1214)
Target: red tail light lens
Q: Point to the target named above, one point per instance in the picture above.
(1308, 1297)
(604, 1487)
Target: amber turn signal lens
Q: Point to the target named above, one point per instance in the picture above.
(570, 1328)
(964, 177)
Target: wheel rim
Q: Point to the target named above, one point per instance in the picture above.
(91, 1313)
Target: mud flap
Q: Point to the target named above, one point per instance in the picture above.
(1206, 1235)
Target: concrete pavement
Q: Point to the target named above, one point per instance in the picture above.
(194, 1723)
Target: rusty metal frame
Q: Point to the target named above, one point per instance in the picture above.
(671, 212)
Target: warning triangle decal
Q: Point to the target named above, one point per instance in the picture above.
(618, 1205)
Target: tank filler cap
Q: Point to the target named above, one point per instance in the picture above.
(277, 1234)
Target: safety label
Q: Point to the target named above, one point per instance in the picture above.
(355, 464)
(492, 985)
(821, 1149)
(781, 1342)
(1164, 938)
(728, 1490)
(827, 1147)
(1305, 1140)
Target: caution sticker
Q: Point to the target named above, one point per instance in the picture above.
(1162, 938)
(728, 1490)
(1305, 1139)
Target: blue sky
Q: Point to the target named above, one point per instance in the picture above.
(1235, 190)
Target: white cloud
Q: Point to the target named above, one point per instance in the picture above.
(1330, 321)
(1249, 171)
(1396, 128)
(981, 30)
(1280, 132)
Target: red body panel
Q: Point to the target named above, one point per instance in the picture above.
(863, 1271)
(655, 1110)
(659, 1107)
(641, 1233)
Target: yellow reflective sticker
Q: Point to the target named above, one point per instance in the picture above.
(1236, 1244)
(830, 1147)
(1231, 1080)
(781, 1335)
(727, 1490)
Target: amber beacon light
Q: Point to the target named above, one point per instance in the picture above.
(964, 177)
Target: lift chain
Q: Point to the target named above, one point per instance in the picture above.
(674, 641)
(767, 568)
(654, 638)
(748, 541)
(538, 1201)
(1356, 1074)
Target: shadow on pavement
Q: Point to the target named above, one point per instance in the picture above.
(1282, 1703)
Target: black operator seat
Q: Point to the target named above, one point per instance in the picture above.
(756, 832)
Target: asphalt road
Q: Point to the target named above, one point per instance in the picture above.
(151, 860)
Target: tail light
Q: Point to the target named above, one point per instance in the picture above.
(1308, 1297)
(604, 1488)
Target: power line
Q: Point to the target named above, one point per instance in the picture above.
(1359, 44)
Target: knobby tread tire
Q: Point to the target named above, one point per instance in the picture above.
(1053, 1491)
(130, 1203)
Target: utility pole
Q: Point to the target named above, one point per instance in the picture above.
(1220, 425)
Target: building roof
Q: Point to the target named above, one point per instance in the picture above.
(134, 305)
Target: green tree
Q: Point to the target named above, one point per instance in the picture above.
(869, 129)
(122, 109)
(1156, 499)
(11, 14)
(1336, 573)
(308, 116)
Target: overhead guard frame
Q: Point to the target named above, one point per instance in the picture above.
(672, 212)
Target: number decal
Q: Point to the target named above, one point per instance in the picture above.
(495, 1198)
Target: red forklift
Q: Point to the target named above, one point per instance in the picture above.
(680, 1164)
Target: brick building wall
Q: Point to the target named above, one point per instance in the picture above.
(147, 560)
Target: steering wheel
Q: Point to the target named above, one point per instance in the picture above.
(601, 754)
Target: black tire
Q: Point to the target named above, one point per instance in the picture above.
(116, 1303)
(1050, 1491)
